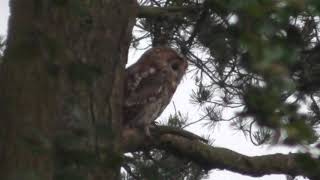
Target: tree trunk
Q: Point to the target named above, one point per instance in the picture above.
(61, 89)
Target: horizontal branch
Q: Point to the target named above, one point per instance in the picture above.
(209, 157)
(156, 12)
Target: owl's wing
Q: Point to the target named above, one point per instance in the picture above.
(145, 88)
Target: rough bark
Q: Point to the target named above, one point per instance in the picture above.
(61, 82)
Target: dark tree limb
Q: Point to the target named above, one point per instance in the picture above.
(178, 132)
(210, 157)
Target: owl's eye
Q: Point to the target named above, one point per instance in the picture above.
(175, 66)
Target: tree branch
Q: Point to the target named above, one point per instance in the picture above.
(210, 157)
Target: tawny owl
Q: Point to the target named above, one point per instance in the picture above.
(150, 84)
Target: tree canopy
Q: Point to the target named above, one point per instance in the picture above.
(258, 59)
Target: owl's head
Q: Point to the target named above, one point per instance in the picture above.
(168, 60)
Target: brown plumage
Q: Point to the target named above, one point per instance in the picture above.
(150, 85)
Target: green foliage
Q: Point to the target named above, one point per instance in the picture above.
(177, 120)
(201, 95)
(159, 165)
(310, 165)
(263, 103)
(298, 132)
